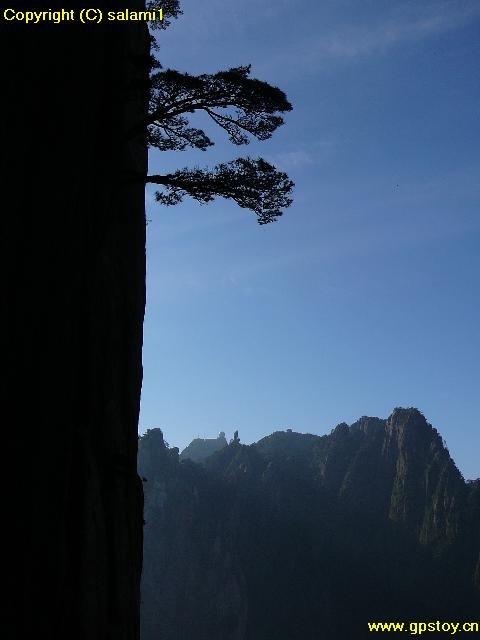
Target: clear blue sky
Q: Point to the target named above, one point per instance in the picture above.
(365, 295)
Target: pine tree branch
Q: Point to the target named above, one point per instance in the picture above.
(252, 184)
(256, 105)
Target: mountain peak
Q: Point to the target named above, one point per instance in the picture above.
(409, 427)
(201, 448)
(409, 415)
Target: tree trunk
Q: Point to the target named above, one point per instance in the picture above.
(74, 295)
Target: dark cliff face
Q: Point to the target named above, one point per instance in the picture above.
(301, 536)
(74, 278)
(187, 540)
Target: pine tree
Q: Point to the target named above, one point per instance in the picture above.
(243, 107)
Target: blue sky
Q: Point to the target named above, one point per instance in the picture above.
(365, 295)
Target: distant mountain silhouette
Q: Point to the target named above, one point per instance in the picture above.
(302, 537)
(201, 448)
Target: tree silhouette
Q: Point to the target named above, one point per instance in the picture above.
(243, 107)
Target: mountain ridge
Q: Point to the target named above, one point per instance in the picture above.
(289, 527)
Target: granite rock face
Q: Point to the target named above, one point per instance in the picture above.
(303, 536)
(74, 291)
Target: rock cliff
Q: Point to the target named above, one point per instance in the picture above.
(302, 536)
(74, 279)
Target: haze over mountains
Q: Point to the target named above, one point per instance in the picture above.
(301, 536)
